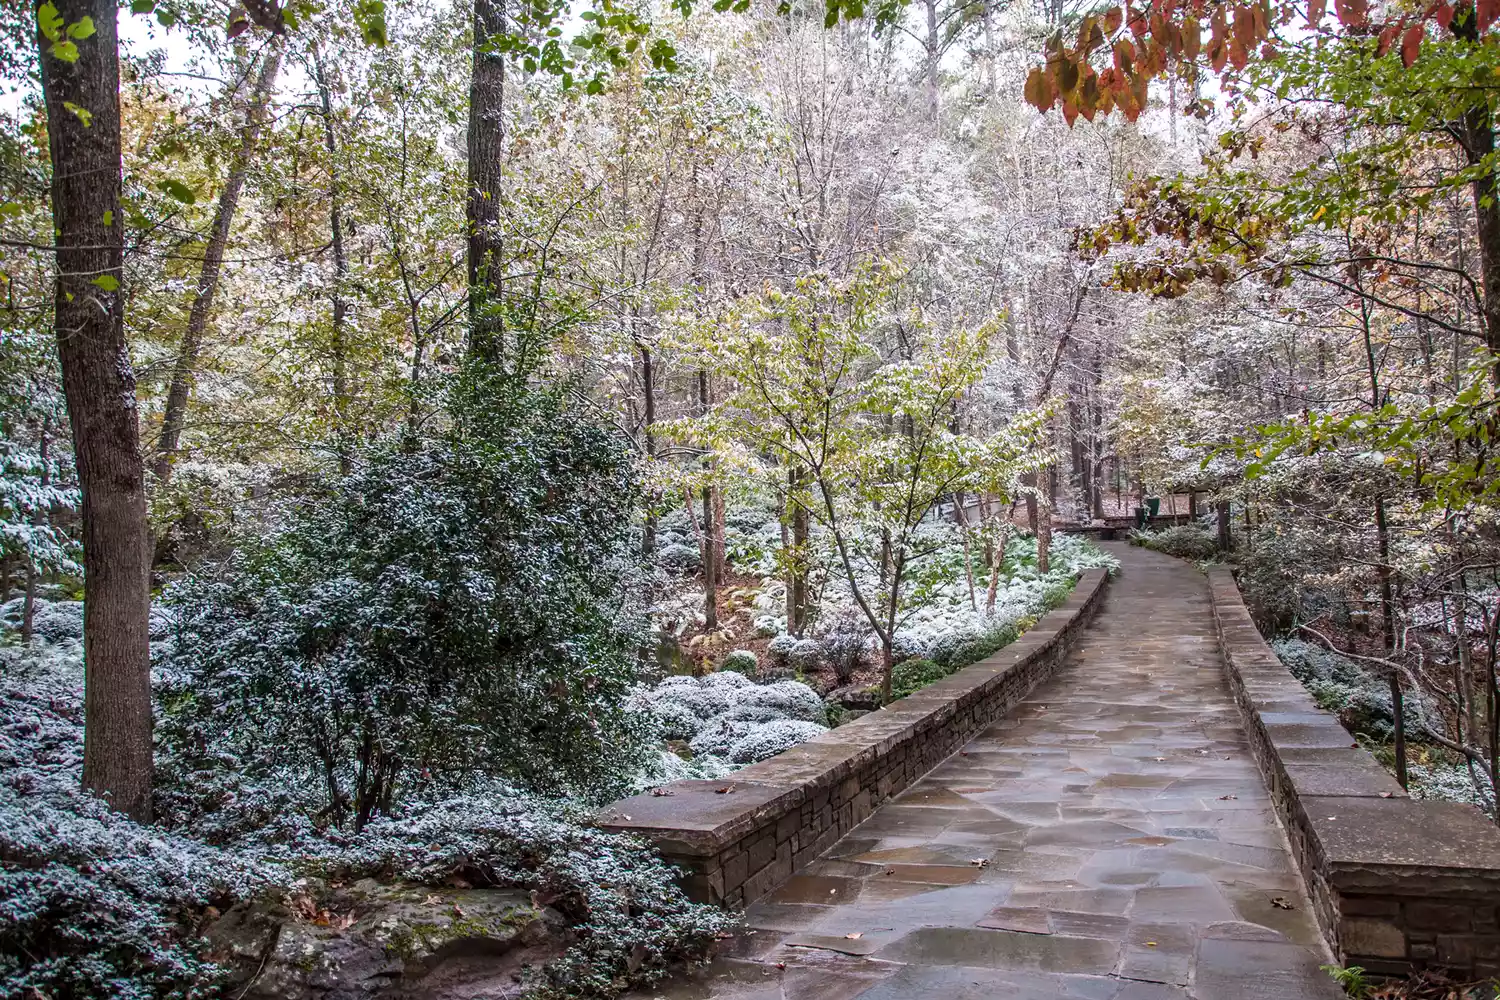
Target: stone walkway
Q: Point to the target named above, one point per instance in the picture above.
(1110, 840)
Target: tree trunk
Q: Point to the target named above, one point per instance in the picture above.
(99, 386)
(486, 144)
(934, 54)
(28, 607)
(1226, 530)
(995, 567)
(1477, 135)
(710, 557)
(648, 389)
(175, 413)
(796, 591)
(336, 345)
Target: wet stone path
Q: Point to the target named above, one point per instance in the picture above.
(1109, 840)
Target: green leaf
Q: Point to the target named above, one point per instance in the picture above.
(109, 218)
(142, 6)
(108, 282)
(65, 50)
(10, 209)
(49, 22)
(81, 28)
(180, 191)
(370, 16)
(82, 114)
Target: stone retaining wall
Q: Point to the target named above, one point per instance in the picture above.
(740, 837)
(1398, 884)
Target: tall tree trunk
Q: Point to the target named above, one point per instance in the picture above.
(1226, 529)
(99, 386)
(648, 390)
(175, 414)
(796, 589)
(28, 606)
(1477, 137)
(337, 345)
(710, 557)
(934, 54)
(486, 145)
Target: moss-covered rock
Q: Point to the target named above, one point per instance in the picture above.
(372, 940)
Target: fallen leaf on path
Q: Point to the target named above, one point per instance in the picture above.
(1282, 903)
(1227, 798)
(979, 862)
(854, 935)
(726, 790)
(662, 791)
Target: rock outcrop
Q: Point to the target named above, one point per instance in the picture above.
(373, 940)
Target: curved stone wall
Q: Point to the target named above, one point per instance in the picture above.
(1399, 884)
(741, 837)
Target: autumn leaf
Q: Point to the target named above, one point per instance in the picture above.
(1411, 45)
(1387, 39)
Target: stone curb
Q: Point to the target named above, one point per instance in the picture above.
(1398, 885)
(741, 837)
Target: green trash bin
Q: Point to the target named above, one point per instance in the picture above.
(1153, 506)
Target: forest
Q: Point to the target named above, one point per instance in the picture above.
(426, 423)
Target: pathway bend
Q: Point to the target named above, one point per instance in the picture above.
(1109, 840)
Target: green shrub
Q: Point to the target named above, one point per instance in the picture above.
(912, 675)
(741, 661)
(441, 614)
(1185, 541)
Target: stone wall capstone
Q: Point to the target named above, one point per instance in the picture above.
(1399, 884)
(740, 837)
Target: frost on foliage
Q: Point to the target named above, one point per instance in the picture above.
(941, 620)
(631, 919)
(1361, 698)
(415, 625)
(780, 648)
(772, 738)
(92, 905)
(728, 719)
(806, 655)
(96, 907)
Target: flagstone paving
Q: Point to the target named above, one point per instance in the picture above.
(1109, 840)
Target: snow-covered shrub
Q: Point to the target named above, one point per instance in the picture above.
(677, 720)
(768, 625)
(779, 649)
(58, 621)
(1361, 699)
(728, 708)
(908, 645)
(421, 623)
(844, 640)
(622, 901)
(788, 699)
(1185, 541)
(740, 661)
(805, 656)
(679, 557)
(94, 905)
(770, 739)
(720, 734)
